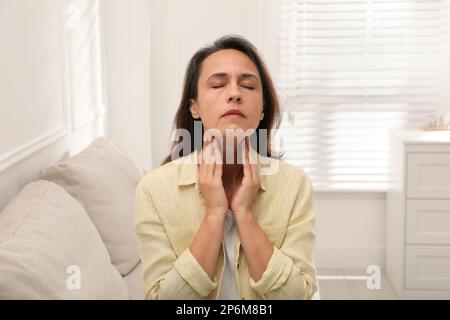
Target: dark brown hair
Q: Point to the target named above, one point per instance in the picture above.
(271, 107)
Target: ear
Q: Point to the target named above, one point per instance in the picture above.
(193, 109)
(262, 116)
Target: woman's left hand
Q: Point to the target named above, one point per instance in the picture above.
(245, 194)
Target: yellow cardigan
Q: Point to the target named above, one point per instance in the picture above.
(169, 209)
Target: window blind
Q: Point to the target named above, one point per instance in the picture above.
(348, 72)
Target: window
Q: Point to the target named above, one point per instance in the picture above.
(349, 72)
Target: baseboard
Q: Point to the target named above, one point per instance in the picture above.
(349, 258)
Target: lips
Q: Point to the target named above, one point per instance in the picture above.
(233, 112)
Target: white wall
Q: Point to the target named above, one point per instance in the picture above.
(127, 31)
(349, 225)
(350, 229)
(56, 95)
(52, 101)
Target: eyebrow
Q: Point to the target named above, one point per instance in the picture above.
(225, 75)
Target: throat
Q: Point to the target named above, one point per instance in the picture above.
(231, 179)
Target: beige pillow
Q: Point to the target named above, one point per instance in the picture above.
(50, 249)
(134, 283)
(103, 179)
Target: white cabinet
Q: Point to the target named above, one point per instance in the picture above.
(417, 247)
(427, 222)
(427, 268)
(428, 175)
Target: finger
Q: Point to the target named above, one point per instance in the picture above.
(250, 160)
(247, 170)
(252, 154)
(218, 151)
(203, 155)
(207, 148)
(202, 168)
(210, 164)
(253, 164)
(219, 161)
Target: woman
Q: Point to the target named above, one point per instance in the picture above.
(226, 221)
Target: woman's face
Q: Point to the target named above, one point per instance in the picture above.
(228, 80)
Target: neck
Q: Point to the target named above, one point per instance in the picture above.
(232, 172)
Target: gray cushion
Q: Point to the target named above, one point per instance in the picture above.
(44, 232)
(103, 179)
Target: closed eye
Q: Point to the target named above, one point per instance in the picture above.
(217, 86)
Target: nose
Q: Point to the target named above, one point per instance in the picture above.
(235, 94)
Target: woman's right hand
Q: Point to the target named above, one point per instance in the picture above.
(210, 180)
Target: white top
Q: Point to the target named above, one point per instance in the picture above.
(229, 286)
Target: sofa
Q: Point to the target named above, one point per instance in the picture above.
(70, 235)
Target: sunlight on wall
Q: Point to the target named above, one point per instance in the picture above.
(84, 56)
